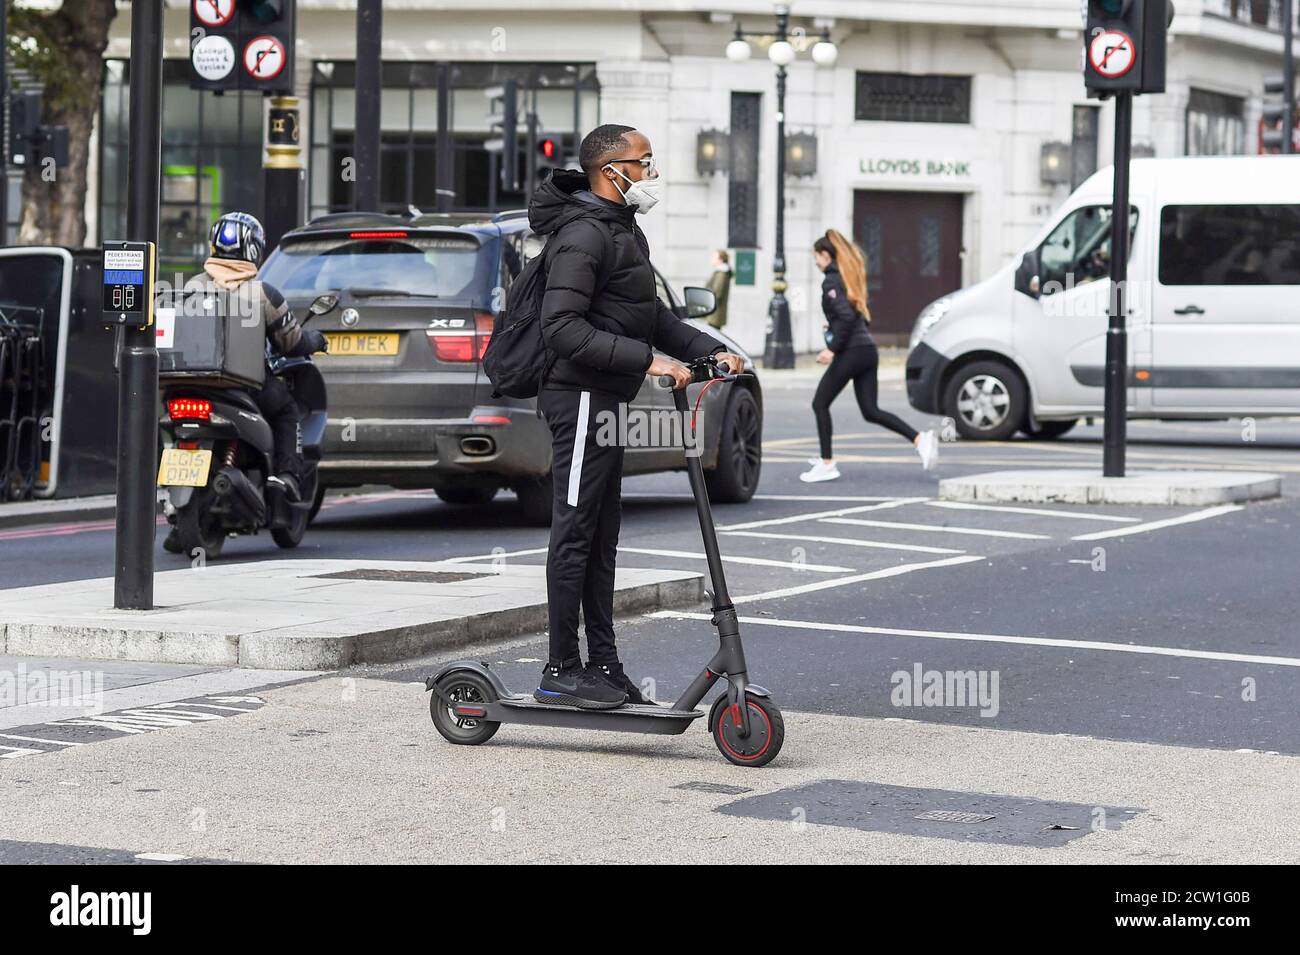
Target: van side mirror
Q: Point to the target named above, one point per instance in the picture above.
(700, 302)
(1027, 282)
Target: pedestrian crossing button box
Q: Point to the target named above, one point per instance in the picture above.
(128, 279)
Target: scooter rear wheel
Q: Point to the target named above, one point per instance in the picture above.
(462, 687)
(766, 731)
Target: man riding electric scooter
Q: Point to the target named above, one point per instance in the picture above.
(600, 318)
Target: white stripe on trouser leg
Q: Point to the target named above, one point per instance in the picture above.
(579, 446)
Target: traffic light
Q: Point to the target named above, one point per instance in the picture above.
(503, 123)
(242, 45)
(552, 153)
(1124, 45)
(1273, 118)
(31, 141)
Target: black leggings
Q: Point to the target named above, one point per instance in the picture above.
(858, 364)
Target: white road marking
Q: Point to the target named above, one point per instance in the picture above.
(821, 497)
(977, 532)
(18, 751)
(514, 553)
(33, 739)
(759, 561)
(1002, 638)
(855, 579)
(647, 496)
(816, 515)
(160, 857)
(1159, 525)
(851, 541)
(1044, 512)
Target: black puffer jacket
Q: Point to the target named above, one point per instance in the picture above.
(600, 315)
(848, 326)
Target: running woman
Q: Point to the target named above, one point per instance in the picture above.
(851, 355)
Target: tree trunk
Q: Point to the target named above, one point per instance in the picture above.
(54, 200)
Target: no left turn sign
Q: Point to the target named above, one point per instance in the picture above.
(1111, 53)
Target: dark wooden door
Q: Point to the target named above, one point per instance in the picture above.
(912, 241)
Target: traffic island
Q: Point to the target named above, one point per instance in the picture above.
(1086, 486)
(307, 614)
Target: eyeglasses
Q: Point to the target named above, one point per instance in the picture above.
(648, 164)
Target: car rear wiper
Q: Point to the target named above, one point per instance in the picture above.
(387, 292)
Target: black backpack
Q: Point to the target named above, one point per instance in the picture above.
(517, 360)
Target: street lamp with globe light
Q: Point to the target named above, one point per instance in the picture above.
(779, 349)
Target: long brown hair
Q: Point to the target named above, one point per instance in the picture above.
(852, 263)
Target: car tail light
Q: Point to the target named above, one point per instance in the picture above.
(377, 235)
(454, 346)
(182, 409)
(490, 419)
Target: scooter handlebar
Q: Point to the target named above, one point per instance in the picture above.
(703, 369)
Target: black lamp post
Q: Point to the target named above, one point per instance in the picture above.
(778, 352)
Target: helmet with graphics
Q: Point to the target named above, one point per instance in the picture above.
(238, 235)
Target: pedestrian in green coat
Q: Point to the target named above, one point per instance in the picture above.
(720, 285)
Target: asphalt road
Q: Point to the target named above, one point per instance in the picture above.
(1138, 662)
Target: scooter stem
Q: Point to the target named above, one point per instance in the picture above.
(721, 598)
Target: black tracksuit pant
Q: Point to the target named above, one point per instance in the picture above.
(857, 364)
(585, 520)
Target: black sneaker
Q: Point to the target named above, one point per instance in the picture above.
(569, 684)
(172, 542)
(612, 673)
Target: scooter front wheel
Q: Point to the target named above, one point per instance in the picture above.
(463, 689)
(766, 731)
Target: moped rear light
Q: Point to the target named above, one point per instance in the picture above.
(189, 409)
(455, 346)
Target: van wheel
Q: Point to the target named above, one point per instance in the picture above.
(536, 499)
(986, 400)
(1049, 430)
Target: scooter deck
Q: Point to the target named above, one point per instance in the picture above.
(629, 718)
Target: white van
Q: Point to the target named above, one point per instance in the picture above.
(1213, 307)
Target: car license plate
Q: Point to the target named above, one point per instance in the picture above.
(181, 468)
(369, 344)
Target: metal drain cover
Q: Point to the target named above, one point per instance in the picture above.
(951, 815)
(403, 576)
(905, 810)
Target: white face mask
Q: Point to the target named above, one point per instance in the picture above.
(642, 194)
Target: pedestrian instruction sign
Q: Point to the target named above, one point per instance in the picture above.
(128, 269)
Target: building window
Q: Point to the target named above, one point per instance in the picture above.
(1262, 13)
(908, 98)
(211, 162)
(742, 181)
(1083, 144)
(434, 126)
(1215, 124)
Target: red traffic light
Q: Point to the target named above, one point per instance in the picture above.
(548, 148)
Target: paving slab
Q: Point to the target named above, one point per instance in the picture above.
(1087, 486)
(306, 614)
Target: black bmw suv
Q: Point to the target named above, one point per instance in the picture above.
(409, 403)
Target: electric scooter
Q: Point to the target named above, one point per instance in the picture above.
(469, 702)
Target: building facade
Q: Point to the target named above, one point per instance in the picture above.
(946, 131)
